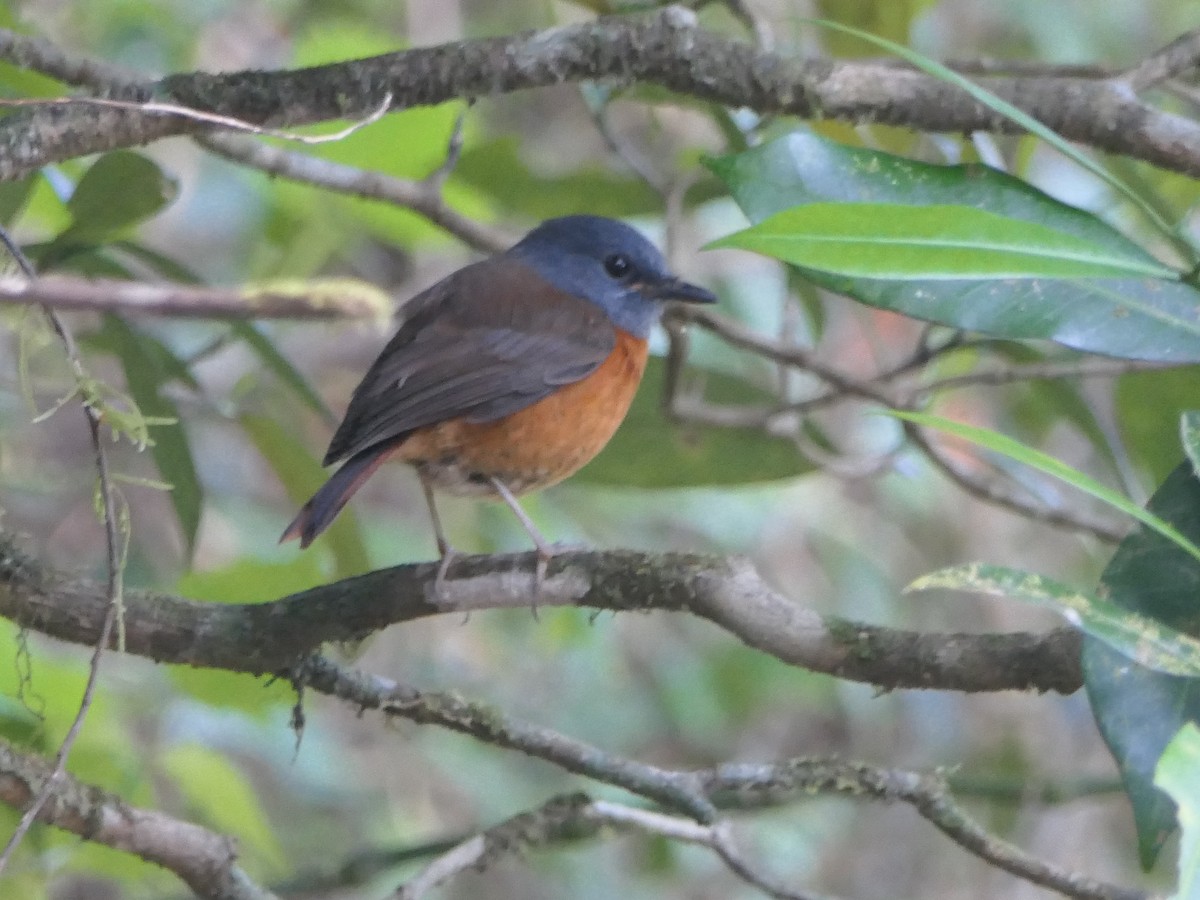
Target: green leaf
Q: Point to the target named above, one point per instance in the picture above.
(1017, 115)
(1139, 710)
(1145, 641)
(1013, 449)
(1178, 773)
(121, 189)
(651, 452)
(302, 475)
(222, 798)
(1137, 318)
(13, 197)
(148, 365)
(1149, 406)
(1189, 434)
(932, 242)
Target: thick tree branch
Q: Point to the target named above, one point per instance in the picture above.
(665, 49)
(272, 636)
(205, 861)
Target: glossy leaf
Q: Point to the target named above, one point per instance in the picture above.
(651, 452)
(1138, 318)
(1178, 773)
(1139, 710)
(932, 242)
(1013, 114)
(1143, 640)
(148, 365)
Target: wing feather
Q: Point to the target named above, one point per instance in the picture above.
(486, 342)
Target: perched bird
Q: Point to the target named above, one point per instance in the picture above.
(507, 376)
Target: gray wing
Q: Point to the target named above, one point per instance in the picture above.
(486, 342)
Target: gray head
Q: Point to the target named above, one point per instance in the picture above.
(609, 264)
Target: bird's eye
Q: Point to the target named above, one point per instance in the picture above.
(618, 265)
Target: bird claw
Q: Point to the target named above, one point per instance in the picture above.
(545, 553)
(449, 554)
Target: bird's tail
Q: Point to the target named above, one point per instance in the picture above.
(322, 508)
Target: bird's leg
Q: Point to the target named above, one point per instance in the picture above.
(445, 551)
(545, 550)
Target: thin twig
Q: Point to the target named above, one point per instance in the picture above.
(318, 298)
(675, 790)
(991, 492)
(1042, 371)
(114, 563)
(752, 786)
(1180, 56)
(415, 195)
(422, 197)
(231, 123)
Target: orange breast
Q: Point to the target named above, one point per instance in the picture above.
(537, 446)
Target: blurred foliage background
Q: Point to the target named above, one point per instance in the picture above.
(844, 532)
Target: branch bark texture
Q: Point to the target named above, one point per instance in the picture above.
(206, 861)
(276, 635)
(666, 49)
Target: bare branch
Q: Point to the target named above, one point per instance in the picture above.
(561, 818)
(205, 861)
(748, 785)
(422, 197)
(675, 790)
(322, 298)
(575, 817)
(271, 637)
(665, 48)
(41, 55)
(1108, 368)
(992, 492)
(1178, 57)
(753, 786)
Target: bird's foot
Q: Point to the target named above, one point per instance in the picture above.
(546, 552)
(449, 555)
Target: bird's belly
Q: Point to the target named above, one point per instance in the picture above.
(539, 445)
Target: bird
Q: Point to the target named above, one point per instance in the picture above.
(508, 375)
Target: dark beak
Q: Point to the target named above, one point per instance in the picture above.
(677, 289)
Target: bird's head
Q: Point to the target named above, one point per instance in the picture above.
(607, 263)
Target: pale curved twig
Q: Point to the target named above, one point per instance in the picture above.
(273, 636)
